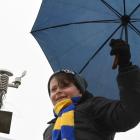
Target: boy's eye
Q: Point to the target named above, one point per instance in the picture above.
(64, 84)
(53, 89)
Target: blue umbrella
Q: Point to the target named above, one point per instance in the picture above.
(75, 34)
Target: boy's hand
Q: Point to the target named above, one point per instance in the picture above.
(121, 50)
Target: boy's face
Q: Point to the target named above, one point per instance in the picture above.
(60, 92)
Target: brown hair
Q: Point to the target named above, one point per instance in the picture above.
(63, 79)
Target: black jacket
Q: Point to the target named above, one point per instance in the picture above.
(98, 118)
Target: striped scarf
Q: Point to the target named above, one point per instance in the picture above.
(64, 125)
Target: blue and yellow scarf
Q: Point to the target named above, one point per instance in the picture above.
(64, 125)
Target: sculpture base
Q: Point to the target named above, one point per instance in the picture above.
(5, 121)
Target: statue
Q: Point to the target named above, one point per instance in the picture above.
(6, 116)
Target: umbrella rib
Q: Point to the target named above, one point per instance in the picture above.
(135, 20)
(126, 34)
(98, 50)
(124, 7)
(121, 36)
(134, 28)
(112, 9)
(83, 22)
(135, 9)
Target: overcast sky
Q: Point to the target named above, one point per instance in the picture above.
(19, 51)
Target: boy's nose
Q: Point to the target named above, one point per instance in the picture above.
(59, 91)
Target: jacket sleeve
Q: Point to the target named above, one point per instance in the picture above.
(47, 135)
(111, 115)
(122, 115)
(129, 86)
(128, 108)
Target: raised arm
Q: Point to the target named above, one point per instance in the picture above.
(128, 77)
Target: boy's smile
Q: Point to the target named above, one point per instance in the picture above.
(60, 92)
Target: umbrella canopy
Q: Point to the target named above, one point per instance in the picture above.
(75, 34)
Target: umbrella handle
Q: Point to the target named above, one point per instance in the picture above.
(116, 61)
